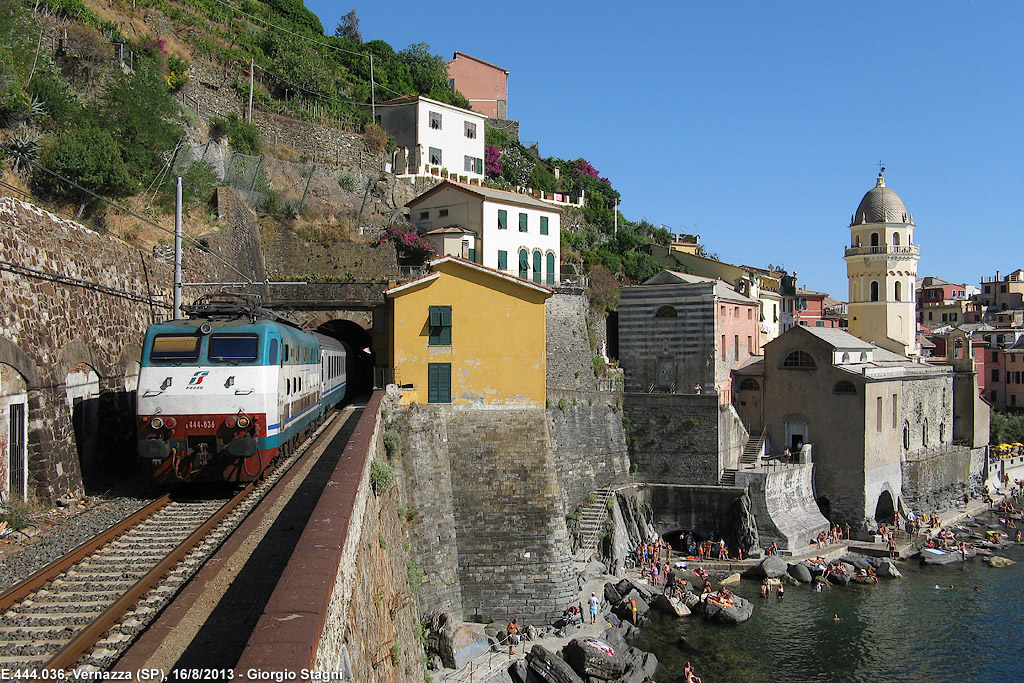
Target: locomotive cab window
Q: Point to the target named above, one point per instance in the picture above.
(273, 352)
(234, 348)
(171, 348)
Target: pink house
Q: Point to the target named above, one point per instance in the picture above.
(809, 309)
(484, 85)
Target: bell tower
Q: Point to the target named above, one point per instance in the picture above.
(881, 265)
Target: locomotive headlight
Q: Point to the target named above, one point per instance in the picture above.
(157, 422)
(244, 422)
(170, 422)
(230, 422)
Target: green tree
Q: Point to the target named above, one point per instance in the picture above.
(140, 113)
(89, 156)
(1005, 428)
(295, 13)
(348, 27)
(430, 75)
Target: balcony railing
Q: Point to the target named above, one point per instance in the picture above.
(888, 250)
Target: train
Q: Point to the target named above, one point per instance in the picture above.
(225, 391)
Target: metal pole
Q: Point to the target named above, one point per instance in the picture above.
(373, 99)
(177, 251)
(252, 71)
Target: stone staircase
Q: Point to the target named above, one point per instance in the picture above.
(592, 517)
(749, 459)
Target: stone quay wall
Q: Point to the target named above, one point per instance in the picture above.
(701, 509)
(74, 300)
(489, 528)
(674, 438)
(589, 440)
(939, 478)
(782, 502)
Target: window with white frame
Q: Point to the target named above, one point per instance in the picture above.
(435, 120)
(435, 156)
(470, 130)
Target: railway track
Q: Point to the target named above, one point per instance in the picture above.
(86, 608)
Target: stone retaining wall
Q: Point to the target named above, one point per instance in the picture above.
(570, 363)
(489, 529)
(940, 479)
(782, 502)
(674, 438)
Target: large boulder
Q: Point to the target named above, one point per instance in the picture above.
(732, 578)
(691, 600)
(858, 561)
(549, 667)
(771, 567)
(837, 579)
(888, 570)
(670, 606)
(595, 657)
(611, 594)
(455, 642)
(800, 572)
(739, 611)
(628, 584)
(998, 561)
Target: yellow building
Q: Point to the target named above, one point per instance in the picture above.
(468, 335)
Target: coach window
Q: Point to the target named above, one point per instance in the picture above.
(273, 352)
(287, 387)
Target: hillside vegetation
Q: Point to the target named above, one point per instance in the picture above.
(109, 126)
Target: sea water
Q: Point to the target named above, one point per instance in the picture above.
(914, 629)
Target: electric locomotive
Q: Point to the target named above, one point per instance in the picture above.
(223, 392)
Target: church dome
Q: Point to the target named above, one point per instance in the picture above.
(881, 205)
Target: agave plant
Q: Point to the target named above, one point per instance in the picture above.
(24, 149)
(36, 109)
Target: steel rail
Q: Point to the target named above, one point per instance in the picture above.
(89, 636)
(62, 564)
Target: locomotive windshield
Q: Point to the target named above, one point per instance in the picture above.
(237, 348)
(171, 348)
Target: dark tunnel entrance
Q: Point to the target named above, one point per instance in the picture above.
(361, 359)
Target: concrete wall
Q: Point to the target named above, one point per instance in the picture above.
(489, 530)
(937, 480)
(589, 441)
(674, 438)
(782, 502)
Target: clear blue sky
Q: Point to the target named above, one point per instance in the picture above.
(759, 125)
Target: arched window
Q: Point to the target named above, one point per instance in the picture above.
(924, 432)
(856, 241)
(898, 291)
(749, 384)
(844, 387)
(906, 435)
(895, 239)
(524, 264)
(538, 259)
(874, 239)
(874, 290)
(800, 360)
(666, 311)
(551, 268)
(846, 357)
(864, 357)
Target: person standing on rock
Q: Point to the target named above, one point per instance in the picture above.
(892, 546)
(594, 604)
(513, 635)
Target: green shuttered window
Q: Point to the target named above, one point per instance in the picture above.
(440, 326)
(502, 260)
(439, 383)
(502, 219)
(522, 222)
(543, 225)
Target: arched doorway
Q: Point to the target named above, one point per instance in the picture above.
(884, 508)
(82, 391)
(13, 434)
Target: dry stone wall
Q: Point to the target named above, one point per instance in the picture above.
(570, 362)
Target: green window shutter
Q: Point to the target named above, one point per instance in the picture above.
(439, 383)
(551, 268)
(472, 255)
(480, 166)
(502, 260)
(543, 225)
(536, 266)
(440, 326)
(522, 222)
(502, 219)
(524, 264)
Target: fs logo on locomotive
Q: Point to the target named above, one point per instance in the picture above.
(197, 379)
